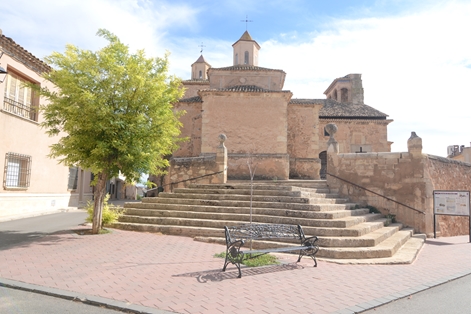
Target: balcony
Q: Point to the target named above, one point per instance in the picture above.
(19, 109)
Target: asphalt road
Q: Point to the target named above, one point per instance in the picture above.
(16, 232)
(452, 298)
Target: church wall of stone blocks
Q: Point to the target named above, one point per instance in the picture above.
(285, 136)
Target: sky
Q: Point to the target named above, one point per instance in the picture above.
(414, 55)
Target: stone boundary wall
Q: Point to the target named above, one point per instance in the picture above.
(181, 169)
(449, 174)
(186, 168)
(409, 178)
(267, 166)
(397, 176)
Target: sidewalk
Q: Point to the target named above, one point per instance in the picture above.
(155, 273)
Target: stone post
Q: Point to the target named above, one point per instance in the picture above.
(221, 160)
(332, 144)
(332, 156)
(414, 145)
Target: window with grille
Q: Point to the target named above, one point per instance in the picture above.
(17, 171)
(19, 99)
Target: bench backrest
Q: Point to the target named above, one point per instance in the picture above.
(263, 231)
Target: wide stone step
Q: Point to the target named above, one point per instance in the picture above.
(187, 231)
(328, 200)
(386, 248)
(318, 188)
(156, 209)
(219, 220)
(242, 186)
(320, 199)
(236, 197)
(368, 240)
(233, 203)
(291, 183)
(240, 192)
(354, 231)
(405, 254)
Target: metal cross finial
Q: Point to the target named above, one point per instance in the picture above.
(246, 22)
(201, 46)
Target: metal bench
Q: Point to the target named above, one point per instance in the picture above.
(237, 236)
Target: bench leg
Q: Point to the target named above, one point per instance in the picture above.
(311, 255)
(227, 261)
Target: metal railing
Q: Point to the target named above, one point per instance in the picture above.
(377, 194)
(19, 109)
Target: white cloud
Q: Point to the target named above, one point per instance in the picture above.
(413, 66)
(139, 23)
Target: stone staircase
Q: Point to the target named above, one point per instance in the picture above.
(346, 234)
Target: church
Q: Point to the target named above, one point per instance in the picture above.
(284, 136)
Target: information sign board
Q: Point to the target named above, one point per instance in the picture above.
(455, 203)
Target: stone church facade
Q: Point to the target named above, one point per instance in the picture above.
(285, 136)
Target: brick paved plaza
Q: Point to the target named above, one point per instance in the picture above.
(160, 273)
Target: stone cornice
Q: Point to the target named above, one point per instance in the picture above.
(354, 120)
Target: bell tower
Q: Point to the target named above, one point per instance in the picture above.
(199, 69)
(246, 50)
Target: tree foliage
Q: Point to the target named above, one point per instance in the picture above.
(114, 110)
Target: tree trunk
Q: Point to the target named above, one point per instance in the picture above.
(100, 192)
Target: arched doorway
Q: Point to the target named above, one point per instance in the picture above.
(323, 158)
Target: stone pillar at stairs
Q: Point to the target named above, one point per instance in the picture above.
(221, 160)
(332, 156)
(414, 145)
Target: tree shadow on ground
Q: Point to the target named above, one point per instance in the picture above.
(12, 238)
(218, 275)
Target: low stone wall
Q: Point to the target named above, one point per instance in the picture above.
(401, 184)
(449, 174)
(304, 168)
(267, 166)
(210, 168)
(396, 176)
(186, 168)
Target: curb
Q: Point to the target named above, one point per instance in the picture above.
(86, 299)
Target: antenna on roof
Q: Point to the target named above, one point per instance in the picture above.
(201, 46)
(246, 22)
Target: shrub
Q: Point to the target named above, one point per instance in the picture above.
(373, 210)
(110, 214)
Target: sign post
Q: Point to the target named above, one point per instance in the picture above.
(453, 203)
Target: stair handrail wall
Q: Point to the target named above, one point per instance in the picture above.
(213, 167)
(171, 184)
(375, 193)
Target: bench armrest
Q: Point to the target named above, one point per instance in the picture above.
(310, 241)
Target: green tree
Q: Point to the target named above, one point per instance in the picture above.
(113, 111)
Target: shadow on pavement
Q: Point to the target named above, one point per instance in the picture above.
(218, 275)
(11, 238)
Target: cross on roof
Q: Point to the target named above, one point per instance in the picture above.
(201, 46)
(246, 21)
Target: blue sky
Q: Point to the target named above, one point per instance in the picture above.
(414, 56)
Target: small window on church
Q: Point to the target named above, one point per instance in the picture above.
(326, 133)
(201, 74)
(246, 57)
(344, 95)
(335, 95)
(236, 59)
